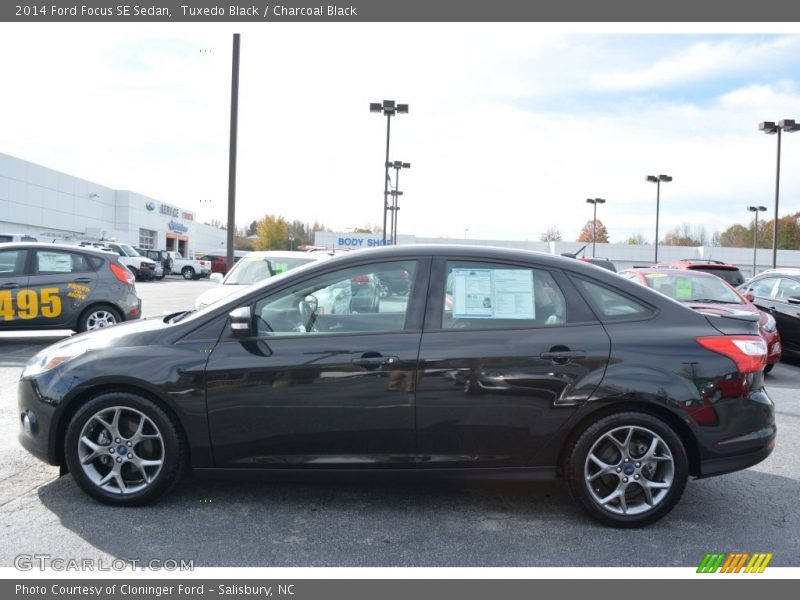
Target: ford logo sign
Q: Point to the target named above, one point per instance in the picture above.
(150, 206)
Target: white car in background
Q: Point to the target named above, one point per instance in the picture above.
(253, 268)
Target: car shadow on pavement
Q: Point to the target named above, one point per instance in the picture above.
(424, 523)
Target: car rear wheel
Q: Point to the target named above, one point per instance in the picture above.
(123, 449)
(188, 273)
(98, 317)
(769, 368)
(627, 469)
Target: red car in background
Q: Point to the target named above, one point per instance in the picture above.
(219, 263)
(726, 271)
(710, 294)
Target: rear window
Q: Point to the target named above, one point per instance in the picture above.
(732, 276)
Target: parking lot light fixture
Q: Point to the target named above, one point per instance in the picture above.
(657, 179)
(389, 108)
(772, 128)
(756, 210)
(396, 165)
(595, 202)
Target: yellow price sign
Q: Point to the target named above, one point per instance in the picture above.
(29, 304)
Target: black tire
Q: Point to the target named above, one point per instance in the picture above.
(135, 272)
(92, 315)
(768, 368)
(595, 438)
(173, 456)
(188, 273)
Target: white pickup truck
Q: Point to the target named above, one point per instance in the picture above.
(189, 268)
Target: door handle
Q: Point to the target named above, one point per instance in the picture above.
(374, 362)
(9, 286)
(83, 280)
(563, 356)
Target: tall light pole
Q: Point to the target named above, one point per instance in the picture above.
(595, 202)
(755, 209)
(768, 127)
(232, 151)
(390, 109)
(396, 165)
(657, 179)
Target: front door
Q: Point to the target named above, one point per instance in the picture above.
(318, 384)
(508, 352)
(13, 280)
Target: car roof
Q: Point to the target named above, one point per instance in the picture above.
(285, 254)
(694, 263)
(44, 245)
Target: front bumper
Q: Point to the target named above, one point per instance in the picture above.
(36, 422)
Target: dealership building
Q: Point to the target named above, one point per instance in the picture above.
(50, 205)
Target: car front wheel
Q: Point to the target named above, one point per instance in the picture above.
(123, 449)
(188, 273)
(628, 469)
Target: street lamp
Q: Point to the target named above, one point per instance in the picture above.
(394, 208)
(755, 209)
(466, 229)
(291, 242)
(768, 127)
(388, 108)
(595, 202)
(657, 179)
(396, 165)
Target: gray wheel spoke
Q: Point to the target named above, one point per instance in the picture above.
(605, 468)
(97, 450)
(648, 492)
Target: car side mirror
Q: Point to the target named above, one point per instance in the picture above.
(216, 277)
(793, 299)
(750, 297)
(242, 321)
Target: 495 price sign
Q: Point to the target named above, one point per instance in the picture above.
(30, 304)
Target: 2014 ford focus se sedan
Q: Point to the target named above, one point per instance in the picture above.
(496, 363)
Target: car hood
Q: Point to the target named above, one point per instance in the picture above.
(217, 293)
(130, 333)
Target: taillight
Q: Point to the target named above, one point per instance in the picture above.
(749, 352)
(122, 274)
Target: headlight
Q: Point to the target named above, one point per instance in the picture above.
(770, 324)
(50, 359)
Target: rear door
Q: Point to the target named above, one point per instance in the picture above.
(13, 280)
(62, 282)
(508, 352)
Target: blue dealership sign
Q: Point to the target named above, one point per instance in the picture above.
(177, 227)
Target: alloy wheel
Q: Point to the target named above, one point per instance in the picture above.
(121, 450)
(629, 470)
(99, 319)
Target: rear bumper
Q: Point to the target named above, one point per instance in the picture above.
(737, 462)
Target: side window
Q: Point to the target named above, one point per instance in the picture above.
(610, 304)
(12, 263)
(492, 296)
(763, 287)
(53, 261)
(352, 300)
(787, 288)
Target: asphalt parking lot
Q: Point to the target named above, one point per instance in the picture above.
(374, 523)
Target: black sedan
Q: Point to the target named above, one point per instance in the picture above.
(525, 365)
(777, 292)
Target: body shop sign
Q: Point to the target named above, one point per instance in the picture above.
(360, 242)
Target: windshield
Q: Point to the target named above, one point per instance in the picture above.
(128, 250)
(732, 276)
(693, 289)
(253, 269)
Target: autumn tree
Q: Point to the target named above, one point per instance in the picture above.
(686, 235)
(272, 233)
(588, 231)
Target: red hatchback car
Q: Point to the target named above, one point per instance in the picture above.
(709, 294)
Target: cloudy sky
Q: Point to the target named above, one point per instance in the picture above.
(511, 126)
